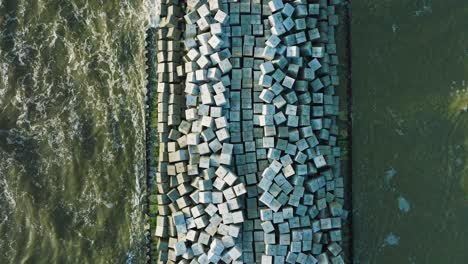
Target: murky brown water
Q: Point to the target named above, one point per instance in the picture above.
(410, 133)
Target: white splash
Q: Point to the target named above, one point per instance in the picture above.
(392, 240)
(154, 11)
(389, 174)
(8, 193)
(403, 204)
(425, 9)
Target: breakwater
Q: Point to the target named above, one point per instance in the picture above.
(248, 127)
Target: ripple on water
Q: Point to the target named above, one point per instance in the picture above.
(72, 131)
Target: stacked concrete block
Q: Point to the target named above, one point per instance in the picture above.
(169, 95)
(300, 185)
(247, 42)
(249, 166)
(203, 194)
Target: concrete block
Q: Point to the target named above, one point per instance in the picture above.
(293, 70)
(337, 260)
(267, 259)
(266, 214)
(235, 252)
(239, 189)
(225, 66)
(314, 9)
(318, 52)
(191, 17)
(223, 134)
(230, 178)
(180, 248)
(300, 24)
(216, 197)
(267, 67)
(229, 194)
(208, 134)
(335, 235)
(219, 88)
(323, 258)
(266, 96)
(291, 110)
(220, 99)
(216, 29)
(193, 54)
(234, 230)
(215, 42)
(215, 145)
(268, 53)
(268, 227)
(214, 111)
(292, 52)
(288, 82)
(288, 10)
(288, 24)
(203, 25)
(321, 204)
(269, 238)
(203, 10)
(221, 17)
(203, 62)
(265, 80)
(275, 19)
(276, 88)
(284, 239)
(193, 139)
(238, 217)
(319, 162)
(268, 109)
(288, 171)
(278, 75)
(213, 74)
(279, 118)
(275, 5)
(205, 49)
(273, 41)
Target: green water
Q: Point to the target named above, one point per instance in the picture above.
(410, 132)
(72, 166)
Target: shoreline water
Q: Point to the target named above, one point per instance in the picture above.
(72, 169)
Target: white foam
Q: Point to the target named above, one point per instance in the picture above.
(403, 204)
(392, 240)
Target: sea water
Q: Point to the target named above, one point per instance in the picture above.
(72, 149)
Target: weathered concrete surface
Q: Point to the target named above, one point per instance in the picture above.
(410, 134)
